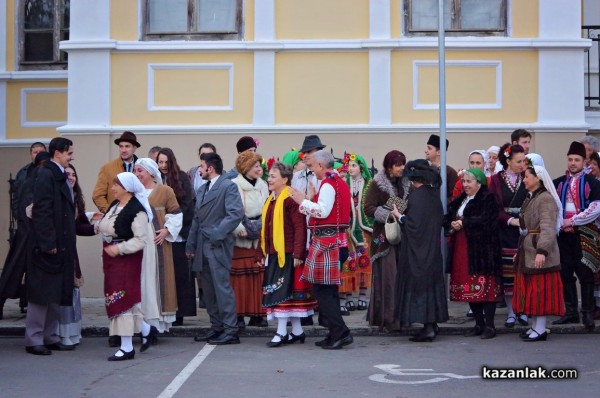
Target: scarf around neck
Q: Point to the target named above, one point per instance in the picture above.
(278, 235)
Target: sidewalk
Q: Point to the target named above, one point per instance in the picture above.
(95, 323)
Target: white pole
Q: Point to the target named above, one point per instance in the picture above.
(442, 101)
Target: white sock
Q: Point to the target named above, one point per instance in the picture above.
(296, 326)
(145, 331)
(126, 345)
(533, 324)
(281, 329)
(540, 324)
(509, 308)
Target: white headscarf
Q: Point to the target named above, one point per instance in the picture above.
(543, 175)
(133, 185)
(483, 154)
(535, 159)
(152, 168)
(493, 149)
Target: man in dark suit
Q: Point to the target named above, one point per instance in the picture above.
(50, 273)
(219, 210)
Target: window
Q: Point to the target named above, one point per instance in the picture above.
(43, 23)
(460, 16)
(193, 20)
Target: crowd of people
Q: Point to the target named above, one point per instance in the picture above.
(278, 240)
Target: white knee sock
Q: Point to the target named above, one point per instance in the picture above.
(509, 307)
(126, 345)
(144, 330)
(540, 324)
(281, 329)
(296, 326)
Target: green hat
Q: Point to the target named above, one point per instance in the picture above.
(291, 158)
(479, 175)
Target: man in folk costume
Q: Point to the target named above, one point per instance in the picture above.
(433, 155)
(328, 218)
(580, 197)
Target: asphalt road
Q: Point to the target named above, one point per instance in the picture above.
(371, 367)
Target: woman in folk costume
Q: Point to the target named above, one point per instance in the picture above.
(159, 292)
(356, 271)
(282, 250)
(246, 275)
(388, 188)
(538, 285)
(507, 186)
(124, 230)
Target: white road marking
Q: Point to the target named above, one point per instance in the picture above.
(395, 370)
(186, 372)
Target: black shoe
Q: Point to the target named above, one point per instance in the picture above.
(38, 350)
(282, 340)
(510, 321)
(537, 337)
(427, 334)
(587, 318)
(150, 338)
(344, 310)
(58, 346)
(474, 331)
(178, 321)
(124, 357)
(470, 314)
(522, 319)
(23, 310)
(241, 324)
(114, 341)
(350, 305)
(524, 334)
(325, 341)
(258, 321)
(293, 338)
(488, 333)
(566, 319)
(308, 321)
(224, 339)
(211, 334)
(362, 305)
(338, 344)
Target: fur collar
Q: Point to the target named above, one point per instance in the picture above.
(383, 183)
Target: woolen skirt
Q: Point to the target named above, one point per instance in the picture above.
(539, 294)
(246, 281)
(382, 303)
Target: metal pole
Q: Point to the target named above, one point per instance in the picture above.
(442, 101)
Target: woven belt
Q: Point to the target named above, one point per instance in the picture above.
(512, 209)
(525, 232)
(324, 232)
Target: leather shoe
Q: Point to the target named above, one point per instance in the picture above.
(224, 339)
(211, 334)
(362, 305)
(537, 337)
(475, 331)
(325, 341)
(488, 333)
(38, 350)
(338, 344)
(124, 357)
(567, 319)
(58, 346)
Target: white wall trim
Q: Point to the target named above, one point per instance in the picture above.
(24, 93)
(380, 93)
(43, 75)
(464, 64)
(178, 46)
(264, 20)
(21, 143)
(379, 19)
(264, 88)
(201, 66)
(329, 128)
(4, 44)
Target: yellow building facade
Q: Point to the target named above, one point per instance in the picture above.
(362, 74)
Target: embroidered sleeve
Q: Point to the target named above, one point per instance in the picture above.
(588, 215)
(322, 208)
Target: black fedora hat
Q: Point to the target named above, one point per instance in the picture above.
(420, 169)
(311, 142)
(128, 136)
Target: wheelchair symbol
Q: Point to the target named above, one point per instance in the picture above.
(395, 371)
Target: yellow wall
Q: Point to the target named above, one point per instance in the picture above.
(10, 35)
(313, 88)
(525, 18)
(396, 18)
(41, 107)
(129, 89)
(321, 19)
(249, 20)
(519, 87)
(124, 19)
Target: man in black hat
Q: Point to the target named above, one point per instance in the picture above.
(304, 180)
(432, 154)
(102, 195)
(580, 197)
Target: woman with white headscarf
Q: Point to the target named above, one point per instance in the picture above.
(159, 305)
(124, 230)
(538, 285)
(492, 165)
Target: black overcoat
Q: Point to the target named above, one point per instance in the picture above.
(50, 276)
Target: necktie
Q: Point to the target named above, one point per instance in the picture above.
(206, 188)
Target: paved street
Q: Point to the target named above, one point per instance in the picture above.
(388, 366)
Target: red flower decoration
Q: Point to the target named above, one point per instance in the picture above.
(363, 261)
(270, 162)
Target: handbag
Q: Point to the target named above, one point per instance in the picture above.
(253, 227)
(393, 234)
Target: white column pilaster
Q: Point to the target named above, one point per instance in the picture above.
(264, 64)
(380, 100)
(379, 19)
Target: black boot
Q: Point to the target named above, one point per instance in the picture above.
(587, 306)
(427, 334)
(571, 315)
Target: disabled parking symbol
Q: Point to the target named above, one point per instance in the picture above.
(396, 375)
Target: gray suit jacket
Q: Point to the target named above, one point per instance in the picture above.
(215, 218)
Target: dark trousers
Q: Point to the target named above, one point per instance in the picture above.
(219, 296)
(329, 308)
(41, 324)
(570, 263)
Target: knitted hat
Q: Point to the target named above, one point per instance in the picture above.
(245, 143)
(577, 148)
(246, 160)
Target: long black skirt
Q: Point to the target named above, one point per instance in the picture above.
(184, 282)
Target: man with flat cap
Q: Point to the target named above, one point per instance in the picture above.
(579, 194)
(102, 195)
(432, 154)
